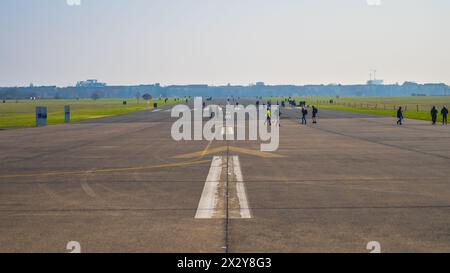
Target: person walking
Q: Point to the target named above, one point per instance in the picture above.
(400, 116)
(434, 114)
(315, 111)
(269, 116)
(304, 114)
(444, 113)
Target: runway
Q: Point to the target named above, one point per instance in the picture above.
(122, 184)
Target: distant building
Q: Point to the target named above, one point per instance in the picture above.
(203, 86)
(90, 84)
(375, 82)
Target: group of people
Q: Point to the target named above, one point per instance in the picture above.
(400, 117)
(304, 112)
(315, 111)
(434, 115)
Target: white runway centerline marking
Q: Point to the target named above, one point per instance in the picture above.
(240, 189)
(209, 199)
(212, 203)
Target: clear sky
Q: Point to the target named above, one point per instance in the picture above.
(223, 41)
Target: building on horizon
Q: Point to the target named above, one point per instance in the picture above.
(90, 84)
(375, 82)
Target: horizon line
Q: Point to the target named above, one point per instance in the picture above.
(258, 83)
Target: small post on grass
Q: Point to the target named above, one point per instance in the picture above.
(67, 114)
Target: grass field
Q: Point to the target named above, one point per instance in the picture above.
(414, 107)
(22, 112)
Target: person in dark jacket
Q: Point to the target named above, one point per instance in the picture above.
(304, 114)
(315, 111)
(444, 113)
(434, 114)
(400, 116)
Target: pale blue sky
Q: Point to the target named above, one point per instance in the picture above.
(223, 41)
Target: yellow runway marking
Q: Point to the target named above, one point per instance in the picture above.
(205, 151)
(255, 152)
(81, 172)
(231, 148)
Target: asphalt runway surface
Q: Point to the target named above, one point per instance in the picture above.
(122, 184)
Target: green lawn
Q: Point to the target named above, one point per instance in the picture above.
(414, 107)
(22, 112)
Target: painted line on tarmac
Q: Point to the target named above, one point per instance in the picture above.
(156, 110)
(213, 201)
(205, 151)
(210, 195)
(212, 151)
(240, 189)
(112, 170)
(88, 190)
